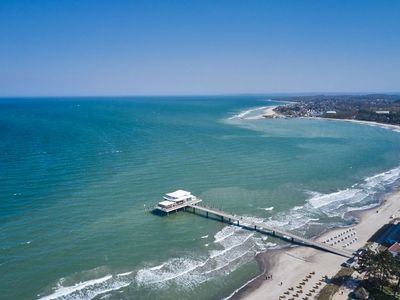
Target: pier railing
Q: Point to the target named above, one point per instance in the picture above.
(262, 227)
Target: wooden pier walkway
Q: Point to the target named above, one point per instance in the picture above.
(239, 221)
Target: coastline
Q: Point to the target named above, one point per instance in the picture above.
(290, 265)
(271, 113)
(368, 123)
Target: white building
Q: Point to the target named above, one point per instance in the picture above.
(178, 197)
(176, 200)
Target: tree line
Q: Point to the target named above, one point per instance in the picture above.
(380, 269)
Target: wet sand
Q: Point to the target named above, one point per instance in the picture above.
(291, 265)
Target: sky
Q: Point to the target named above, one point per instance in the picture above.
(93, 48)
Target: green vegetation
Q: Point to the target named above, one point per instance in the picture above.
(382, 274)
(374, 108)
(385, 294)
(332, 287)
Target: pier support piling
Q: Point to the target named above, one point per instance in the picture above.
(263, 228)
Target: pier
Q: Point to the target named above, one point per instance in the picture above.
(183, 200)
(261, 227)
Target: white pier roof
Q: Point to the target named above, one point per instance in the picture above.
(178, 194)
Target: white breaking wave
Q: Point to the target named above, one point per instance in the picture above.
(225, 233)
(87, 289)
(125, 274)
(359, 196)
(250, 114)
(267, 208)
(233, 246)
(344, 196)
(238, 246)
(298, 207)
(357, 193)
(157, 267)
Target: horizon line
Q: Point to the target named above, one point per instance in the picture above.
(203, 95)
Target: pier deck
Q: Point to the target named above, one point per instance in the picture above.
(237, 220)
(178, 207)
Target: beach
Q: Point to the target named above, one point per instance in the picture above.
(290, 266)
(368, 123)
(270, 113)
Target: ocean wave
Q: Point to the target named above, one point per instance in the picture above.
(225, 233)
(359, 196)
(177, 269)
(235, 243)
(347, 195)
(238, 246)
(233, 246)
(250, 114)
(357, 193)
(88, 289)
(249, 221)
(267, 208)
(157, 267)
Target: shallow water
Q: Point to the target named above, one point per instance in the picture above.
(77, 175)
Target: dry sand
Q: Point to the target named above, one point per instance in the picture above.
(270, 113)
(291, 266)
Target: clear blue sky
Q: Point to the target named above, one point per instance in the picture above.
(198, 47)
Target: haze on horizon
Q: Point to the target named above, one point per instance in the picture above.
(123, 47)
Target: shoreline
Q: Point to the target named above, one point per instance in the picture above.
(271, 113)
(361, 122)
(289, 265)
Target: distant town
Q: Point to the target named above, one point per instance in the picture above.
(379, 108)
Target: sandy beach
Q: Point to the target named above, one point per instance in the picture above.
(289, 267)
(368, 123)
(270, 113)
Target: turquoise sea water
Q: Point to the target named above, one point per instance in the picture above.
(76, 175)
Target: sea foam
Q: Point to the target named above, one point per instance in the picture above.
(250, 114)
(87, 289)
(359, 196)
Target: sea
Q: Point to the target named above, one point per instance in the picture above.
(79, 177)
